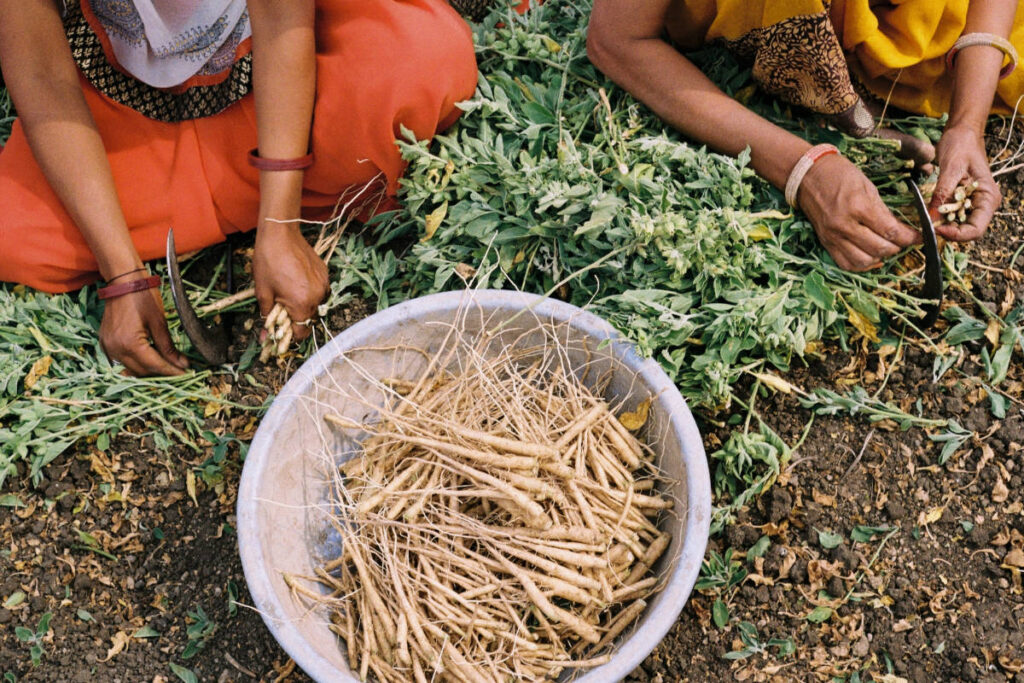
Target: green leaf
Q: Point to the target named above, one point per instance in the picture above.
(997, 404)
(9, 500)
(967, 526)
(15, 599)
(829, 540)
(819, 614)
(185, 675)
(738, 654)
(786, 646)
(819, 292)
(720, 613)
(758, 549)
(748, 633)
(84, 615)
(43, 627)
(25, 635)
(146, 631)
(192, 648)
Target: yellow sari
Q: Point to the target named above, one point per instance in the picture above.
(805, 51)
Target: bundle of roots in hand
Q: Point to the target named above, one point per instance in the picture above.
(957, 210)
(500, 523)
(279, 333)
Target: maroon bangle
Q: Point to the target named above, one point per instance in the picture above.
(127, 272)
(129, 287)
(296, 164)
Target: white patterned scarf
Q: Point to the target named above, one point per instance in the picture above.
(164, 43)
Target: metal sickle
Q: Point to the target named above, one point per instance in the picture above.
(211, 341)
(932, 289)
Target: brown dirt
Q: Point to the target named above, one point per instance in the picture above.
(934, 602)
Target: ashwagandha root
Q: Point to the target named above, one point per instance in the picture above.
(957, 211)
(499, 524)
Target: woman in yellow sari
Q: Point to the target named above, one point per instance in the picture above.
(923, 56)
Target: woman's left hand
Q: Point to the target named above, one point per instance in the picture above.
(962, 159)
(287, 271)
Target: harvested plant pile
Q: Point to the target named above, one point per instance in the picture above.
(499, 525)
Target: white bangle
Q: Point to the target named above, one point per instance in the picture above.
(989, 39)
(803, 165)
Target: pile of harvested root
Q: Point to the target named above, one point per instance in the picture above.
(499, 524)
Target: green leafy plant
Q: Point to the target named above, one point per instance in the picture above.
(199, 630)
(752, 644)
(720, 571)
(34, 639)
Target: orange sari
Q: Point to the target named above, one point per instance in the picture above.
(381, 65)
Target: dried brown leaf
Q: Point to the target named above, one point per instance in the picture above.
(636, 419)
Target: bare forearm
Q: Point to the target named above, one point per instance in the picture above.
(284, 84)
(676, 90)
(43, 83)
(976, 71)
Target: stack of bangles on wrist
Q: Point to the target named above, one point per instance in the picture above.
(803, 165)
(120, 289)
(987, 39)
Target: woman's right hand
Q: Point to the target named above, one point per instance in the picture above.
(849, 217)
(134, 332)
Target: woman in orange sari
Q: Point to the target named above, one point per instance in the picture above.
(923, 56)
(136, 116)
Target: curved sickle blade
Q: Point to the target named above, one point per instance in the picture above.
(211, 341)
(932, 289)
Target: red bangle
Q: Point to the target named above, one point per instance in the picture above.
(129, 287)
(296, 164)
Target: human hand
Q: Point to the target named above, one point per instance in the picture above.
(134, 332)
(848, 215)
(287, 271)
(961, 158)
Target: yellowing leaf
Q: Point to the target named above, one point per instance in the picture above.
(434, 220)
(635, 420)
(37, 371)
(760, 232)
(863, 325)
(41, 339)
(775, 382)
(449, 168)
(551, 44)
(771, 213)
(992, 331)
(190, 486)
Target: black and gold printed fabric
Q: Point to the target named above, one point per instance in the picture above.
(819, 54)
(161, 105)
